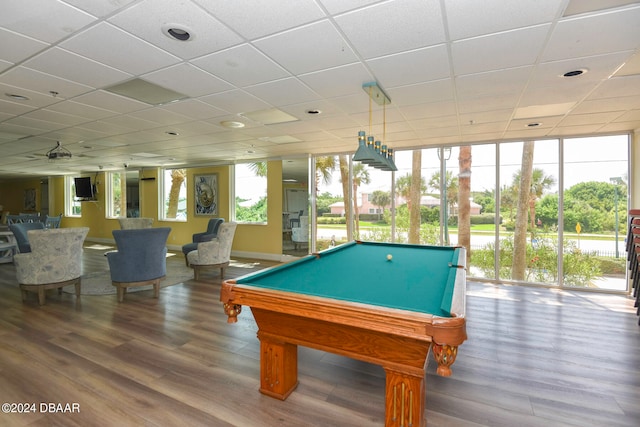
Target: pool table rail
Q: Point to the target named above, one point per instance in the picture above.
(422, 326)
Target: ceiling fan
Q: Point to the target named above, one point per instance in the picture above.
(58, 153)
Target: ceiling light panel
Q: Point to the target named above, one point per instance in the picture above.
(270, 116)
(146, 92)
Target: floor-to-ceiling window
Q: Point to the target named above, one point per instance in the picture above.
(550, 212)
(595, 211)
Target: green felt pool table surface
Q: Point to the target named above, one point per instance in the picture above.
(418, 278)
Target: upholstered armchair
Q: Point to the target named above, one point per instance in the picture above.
(211, 233)
(215, 253)
(53, 221)
(300, 234)
(135, 223)
(55, 261)
(20, 230)
(141, 259)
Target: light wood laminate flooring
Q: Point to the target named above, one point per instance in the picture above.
(534, 357)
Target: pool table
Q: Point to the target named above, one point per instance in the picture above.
(382, 303)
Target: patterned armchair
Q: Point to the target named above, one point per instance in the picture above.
(55, 261)
(20, 231)
(141, 259)
(215, 253)
(135, 223)
(210, 234)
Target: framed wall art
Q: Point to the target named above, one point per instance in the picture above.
(30, 199)
(206, 194)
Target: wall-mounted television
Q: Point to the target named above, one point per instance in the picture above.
(85, 190)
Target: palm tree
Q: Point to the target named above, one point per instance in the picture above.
(360, 176)
(464, 202)
(518, 268)
(381, 199)
(177, 178)
(414, 196)
(324, 169)
(451, 184)
(539, 184)
(344, 179)
(258, 168)
(403, 187)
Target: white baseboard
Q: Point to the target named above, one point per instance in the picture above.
(238, 254)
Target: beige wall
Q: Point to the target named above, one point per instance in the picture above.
(250, 238)
(12, 194)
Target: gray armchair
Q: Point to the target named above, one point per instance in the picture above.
(55, 261)
(20, 230)
(215, 253)
(210, 234)
(140, 259)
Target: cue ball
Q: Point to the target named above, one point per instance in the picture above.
(389, 257)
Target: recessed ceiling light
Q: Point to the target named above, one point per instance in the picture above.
(177, 32)
(232, 124)
(17, 97)
(574, 73)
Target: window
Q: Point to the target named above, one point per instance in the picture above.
(71, 206)
(250, 186)
(173, 195)
(116, 196)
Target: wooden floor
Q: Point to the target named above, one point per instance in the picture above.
(534, 357)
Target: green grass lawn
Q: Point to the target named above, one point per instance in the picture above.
(480, 229)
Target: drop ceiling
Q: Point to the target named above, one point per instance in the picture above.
(457, 72)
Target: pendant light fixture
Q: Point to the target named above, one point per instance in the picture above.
(371, 152)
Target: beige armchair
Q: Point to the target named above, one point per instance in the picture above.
(55, 261)
(300, 234)
(215, 253)
(135, 223)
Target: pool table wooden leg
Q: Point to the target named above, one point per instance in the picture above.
(404, 399)
(278, 366)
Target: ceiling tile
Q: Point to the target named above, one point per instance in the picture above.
(420, 65)
(195, 109)
(99, 8)
(235, 101)
(22, 77)
(69, 66)
(513, 80)
(267, 17)
(282, 92)
(187, 79)
(575, 37)
(317, 46)
(242, 65)
(338, 81)
(45, 20)
(139, 56)
(208, 34)
(340, 6)
(498, 51)
(392, 27)
(476, 18)
(16, 47)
